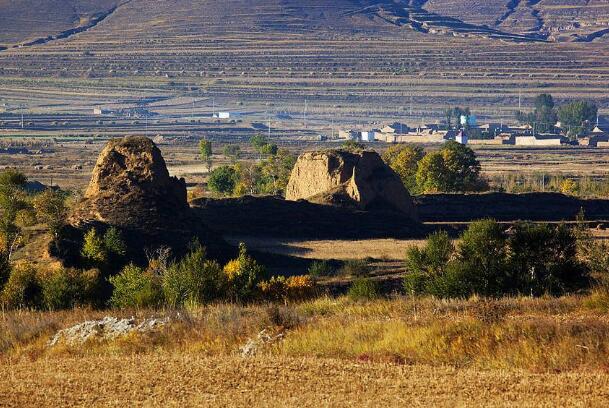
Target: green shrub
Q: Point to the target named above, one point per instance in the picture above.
(135, 287)
(321, 268)
(23, 289)
(433, 257)
(67, 288)
(364, 289)
(114, 243)
(93, 248)
(543, 260)
(243, 274)
(532, 260)
(194, 279)
(355, 267)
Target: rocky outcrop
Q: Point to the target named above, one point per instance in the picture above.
(354, 179)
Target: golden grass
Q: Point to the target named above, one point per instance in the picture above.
(390, 249)
(336, 352)
(197, 380)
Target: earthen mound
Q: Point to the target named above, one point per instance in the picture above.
(131, 186)
(131, 189)
(353, 179)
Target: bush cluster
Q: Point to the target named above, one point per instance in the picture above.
(29, 287)
(529, 259)
(285, 289)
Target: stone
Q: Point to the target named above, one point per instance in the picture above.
(108, 328)
(354, 179)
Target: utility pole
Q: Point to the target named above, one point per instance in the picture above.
(304, 114)
(269, 124)
(213, 107)
(519, 100)
(22, 125)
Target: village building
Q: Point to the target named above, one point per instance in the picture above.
(539, 140)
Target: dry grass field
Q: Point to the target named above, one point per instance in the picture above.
(334, 352)
(196, 380)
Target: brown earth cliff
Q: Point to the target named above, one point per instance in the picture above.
(353, 179)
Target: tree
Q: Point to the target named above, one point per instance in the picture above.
(462, 165)
(544, 116)
(258, 141)
(51, 209)
(431, 174)
(13, 201)
(233, 151)
(93, 248)
(206, 151)
(448, 114)
(275, 172)
(353, 146)
(222, 180)
(134, 287)
(577, 117)
(404, 160)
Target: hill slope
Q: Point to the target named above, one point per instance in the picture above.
(23, 21)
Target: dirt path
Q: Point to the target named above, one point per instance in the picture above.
(195, 380)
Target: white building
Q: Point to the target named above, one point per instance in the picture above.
(461, 138)
(100, 111)
(225, 115)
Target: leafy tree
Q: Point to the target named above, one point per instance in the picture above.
(67, 288)
(23, 289)
(532, 260)
(13, 201)
(114, 243)
(222, 180)
(275, 172)
(233, 151)
(453, 168)
(462, 165)
(262, 145)
(269, 149)
(543, 260)
(206, 151)
(258, 141)
(431, 174)
(353, 146)
(404, 160)
(577, 117)
(93, 249)
(544, 116)
(433, 257)
(51, 209)
(248, 175)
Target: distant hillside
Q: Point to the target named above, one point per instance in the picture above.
(23, 21)
(37, 21)
(353, 59)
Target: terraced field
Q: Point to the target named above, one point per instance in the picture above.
(353, 61)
